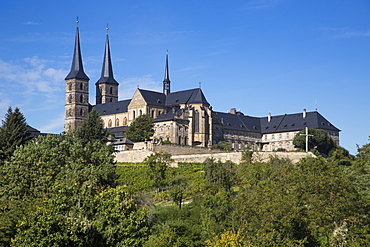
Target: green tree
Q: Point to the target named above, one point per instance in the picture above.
(92, 128)
(13, 133)
(320, 140)
(29, 177)
(178, 188)
(219, 175)
(223, 145)
(67, 218)
(141, 129)
(158, 165)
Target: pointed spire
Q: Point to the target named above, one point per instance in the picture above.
(107, 70)
(166, 81)
(77, 70)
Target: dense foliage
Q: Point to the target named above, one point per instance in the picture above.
(92, 128)
(141, 129)
(318, 139)
(66, 190)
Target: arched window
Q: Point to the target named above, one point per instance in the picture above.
(81, 112)
(70, 86)
(81, 86)
(109, 123)
(81, 98)
(70, 98)
(117, 122)
(179, 140)
(185, 140)
(111, 90)
(133, 114)
(125, 121)
(152, 113)
(140, 112)
(111, 100)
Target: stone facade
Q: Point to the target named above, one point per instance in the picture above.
(183, 117)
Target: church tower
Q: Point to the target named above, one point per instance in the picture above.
(166, 81)
(77, 90)
(106, 86)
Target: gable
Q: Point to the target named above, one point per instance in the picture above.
(137, 100)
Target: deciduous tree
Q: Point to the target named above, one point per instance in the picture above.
(319, 140)
(141, 128)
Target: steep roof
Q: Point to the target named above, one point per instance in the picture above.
(191, 96)
(77, 70)
(112, 107)
(281, 123)
(295, 122)
(107, 70)
(153, 98)
(237, 122)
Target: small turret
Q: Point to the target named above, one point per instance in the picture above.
(166, 81)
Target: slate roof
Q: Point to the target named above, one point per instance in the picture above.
(280, 123)
(191, 96)
(237, 122)
(77, 70)
(153, 98)
(112, 107)
(123, 141)
(172, 115)
(107, 70)
(295, 122)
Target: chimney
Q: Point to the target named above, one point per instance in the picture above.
(304, 113)
(233, 111)
(269, 117)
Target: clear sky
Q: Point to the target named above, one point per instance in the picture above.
(259, 56)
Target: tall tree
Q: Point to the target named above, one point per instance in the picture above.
(158, 164)
(13, 133)
(141, 129)
(319, 140)
(92, 128)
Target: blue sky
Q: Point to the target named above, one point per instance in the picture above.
(259, 56)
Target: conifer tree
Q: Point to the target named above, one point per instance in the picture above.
(92, 128)
(13, 133)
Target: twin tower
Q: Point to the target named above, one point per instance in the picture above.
(77, 86)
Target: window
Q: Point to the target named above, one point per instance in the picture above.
(111, 100)
(272, 136)
(140, 112)
(81, 112)
(125, 121)
(70, 86)
(111, 90)
(81, 86)
(287, 135)
(81, 98)
(196, 121)
(109, 123)
(70, 98)
(117, 122)
(152, 113)
(133, 114)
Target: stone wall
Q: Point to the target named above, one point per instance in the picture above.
(189, 155)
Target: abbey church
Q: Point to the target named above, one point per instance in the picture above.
(182, 117)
